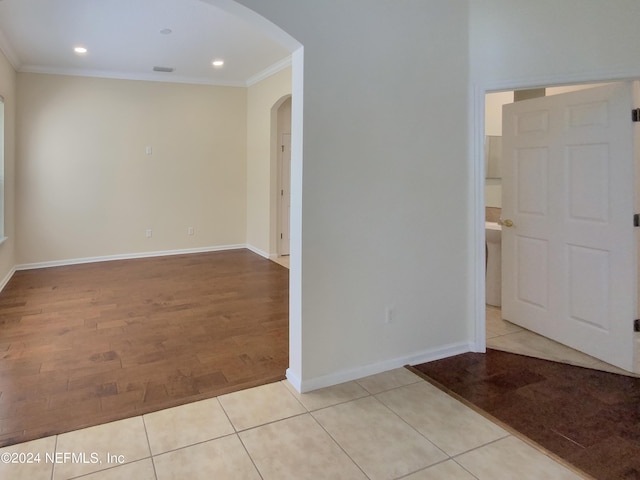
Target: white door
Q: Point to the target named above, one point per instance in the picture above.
(285, 194)
(569, 261)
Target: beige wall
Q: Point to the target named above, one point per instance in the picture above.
(8, 91)
(86, 187)
(261, 169)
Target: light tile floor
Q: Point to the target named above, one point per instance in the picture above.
(508, 337)
(388, 426)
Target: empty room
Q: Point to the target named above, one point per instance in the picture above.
(232, 230)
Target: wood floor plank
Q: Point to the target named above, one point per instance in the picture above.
(112, 340)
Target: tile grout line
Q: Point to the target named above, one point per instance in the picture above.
(248, 429)
(310, 413)
(338, 444)
(388, 408)
(146, 433)
(249, 455)
(235, 430)
(481, 446)
(464, 468)
(342, 402)
(173, 450)
(433, 465)
(55, 449)
(413, 427)
(149, 457)
(375, 396)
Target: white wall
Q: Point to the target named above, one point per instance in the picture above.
(530, 43)
(384, 143)
(8, 91)
(86, 187)
(261, 185)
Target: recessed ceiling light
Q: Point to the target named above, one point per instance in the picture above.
(80, 50)
(217, 63)
(166, 31)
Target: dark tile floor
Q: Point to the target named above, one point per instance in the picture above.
(589, 418)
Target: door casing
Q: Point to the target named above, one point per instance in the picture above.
(476, 125)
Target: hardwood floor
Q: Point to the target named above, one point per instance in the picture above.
(87, 344)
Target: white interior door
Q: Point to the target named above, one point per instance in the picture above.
(569, 262)
(285, 194)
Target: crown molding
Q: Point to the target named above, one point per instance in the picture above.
(147, 77)
(154, 77)
(267, 72)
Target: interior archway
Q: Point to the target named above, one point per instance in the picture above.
(295, 271)
(280, 176)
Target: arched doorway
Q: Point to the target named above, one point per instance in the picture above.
(295, 272)
(281, 175)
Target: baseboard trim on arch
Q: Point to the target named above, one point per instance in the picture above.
(6, 279)
(256, 250)
(347, 375)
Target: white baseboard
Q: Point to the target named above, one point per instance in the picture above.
(293, 379)
(304, 386)
(262, 253)
(127, 256)
(6, 279)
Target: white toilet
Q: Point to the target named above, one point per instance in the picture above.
(493, 234)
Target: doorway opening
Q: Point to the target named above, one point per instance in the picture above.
(294, 372)
(499, 333)
(281, 170)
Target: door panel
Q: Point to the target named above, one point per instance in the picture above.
(570, 261)
(588, 187)
(532, 257)
(531, 174)
(588, 299)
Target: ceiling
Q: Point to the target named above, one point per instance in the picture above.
(124, 40)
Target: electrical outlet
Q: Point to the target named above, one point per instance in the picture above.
(190, 231)
(148, 150)
(149, 233)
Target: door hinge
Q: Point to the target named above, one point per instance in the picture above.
(635, 115)
(280, 236)
(283, 145)
(636, 325)
(636, 219)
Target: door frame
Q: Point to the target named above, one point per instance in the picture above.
(283, 227)
(276, 129)
(476, 126)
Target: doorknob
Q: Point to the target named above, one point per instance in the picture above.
(506, 223)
